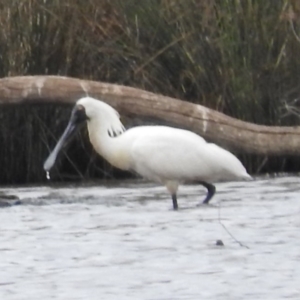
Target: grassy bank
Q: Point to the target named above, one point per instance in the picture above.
(239, 57)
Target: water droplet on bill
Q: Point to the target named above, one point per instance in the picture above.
(48, 175)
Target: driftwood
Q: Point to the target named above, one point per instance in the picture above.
(242, 137)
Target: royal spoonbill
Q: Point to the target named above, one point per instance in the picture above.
(162, 154)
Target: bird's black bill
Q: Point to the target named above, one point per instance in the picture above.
(78, 116)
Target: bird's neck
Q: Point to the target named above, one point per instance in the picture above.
(108, 146)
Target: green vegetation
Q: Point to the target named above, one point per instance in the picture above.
(237, 56)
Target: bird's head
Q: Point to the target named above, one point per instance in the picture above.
(86, 109)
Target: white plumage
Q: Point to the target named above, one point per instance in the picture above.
(162, 154)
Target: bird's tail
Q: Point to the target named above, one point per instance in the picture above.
(247, 177)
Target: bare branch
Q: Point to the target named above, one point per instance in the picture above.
(226, 131)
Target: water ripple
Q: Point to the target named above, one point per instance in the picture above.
(123, 241)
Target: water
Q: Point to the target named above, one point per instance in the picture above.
(123, 241)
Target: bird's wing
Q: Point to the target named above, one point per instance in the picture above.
(165, 157)
(183, 157)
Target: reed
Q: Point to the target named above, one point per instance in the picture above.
(239, 57)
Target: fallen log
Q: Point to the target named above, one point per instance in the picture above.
(236, 135)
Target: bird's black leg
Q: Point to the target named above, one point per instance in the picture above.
(174, 199)
(211, 189)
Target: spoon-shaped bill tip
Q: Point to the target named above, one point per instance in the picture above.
(50, 161)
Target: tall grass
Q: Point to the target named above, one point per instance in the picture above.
(239, 57)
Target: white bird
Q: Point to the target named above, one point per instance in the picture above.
(166, 155)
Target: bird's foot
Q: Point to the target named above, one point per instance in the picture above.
(205, 204)
(199, 204)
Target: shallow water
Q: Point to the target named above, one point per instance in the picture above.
(123, 241)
